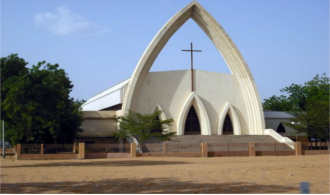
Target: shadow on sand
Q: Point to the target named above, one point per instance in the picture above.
(103, 163)
(146, 185)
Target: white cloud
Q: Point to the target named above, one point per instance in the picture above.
(65, 22)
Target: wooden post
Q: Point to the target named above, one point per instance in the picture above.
(18, 151)
(164, 147)
(41, 148)
(205, 149)
(297, 147)
(74, 147)
(81, 154)
(133, 150)
(106, 148)
(252, 149)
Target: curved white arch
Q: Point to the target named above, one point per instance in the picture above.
(228, 109)
(194, 100)
(162, 116)
(230, 53)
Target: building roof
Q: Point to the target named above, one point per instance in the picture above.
(110, 97)
(277, 114)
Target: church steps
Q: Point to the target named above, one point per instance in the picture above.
(265, 142)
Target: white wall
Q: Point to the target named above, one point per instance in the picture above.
(170, 90)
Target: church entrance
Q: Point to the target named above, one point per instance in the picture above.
(227, 126)
(192, 126)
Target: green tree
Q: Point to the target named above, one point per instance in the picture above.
(309, 103)
(37, 105)
(12, 67)
(275, 103)
(142, 126)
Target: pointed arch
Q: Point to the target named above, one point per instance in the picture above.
(194, 100)
(156, 107)
(162, 115)
(228, 109)
(280, 128)
(226, 47)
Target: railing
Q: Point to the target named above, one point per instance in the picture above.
(183, 147)
(272, 147)
(107, 148)
(317, 145)
(58, 148)
(279, 137)
(31, 149)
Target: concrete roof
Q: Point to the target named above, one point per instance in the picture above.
(110, 97)
(277, 114)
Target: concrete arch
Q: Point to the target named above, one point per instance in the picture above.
(162, 116)
(194, 100)
(230, 53)
(228, 109)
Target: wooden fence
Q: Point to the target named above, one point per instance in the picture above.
(89, 151)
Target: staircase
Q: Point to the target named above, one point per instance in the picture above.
(263, 142)
(217, 139)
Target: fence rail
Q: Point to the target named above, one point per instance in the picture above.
(31, 149)
(183, 147)
(228, 147)
(272, 147)
(317, 145)
(107, 148)
(58, 148)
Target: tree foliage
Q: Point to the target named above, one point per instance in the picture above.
(36, 104)
(142, 126)
(309, 103)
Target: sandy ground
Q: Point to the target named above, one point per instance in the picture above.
(167, 175)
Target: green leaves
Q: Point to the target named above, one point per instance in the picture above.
(280, 103)
(37, 105)
(309, 103)
(142, 126)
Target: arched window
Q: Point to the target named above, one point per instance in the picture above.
(192, 126)
(280, 128)
(227, 126)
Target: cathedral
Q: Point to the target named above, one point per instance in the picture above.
(200, 102)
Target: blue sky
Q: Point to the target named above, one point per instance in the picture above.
(99, 42)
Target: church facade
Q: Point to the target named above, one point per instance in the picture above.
(200, 102)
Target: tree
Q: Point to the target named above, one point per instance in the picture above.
(142, 126)
(309, 104)
(37, 105)
(12, 67)
(275, 103)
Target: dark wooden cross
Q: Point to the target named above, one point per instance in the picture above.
(192, 64)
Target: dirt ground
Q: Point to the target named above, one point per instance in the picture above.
(167, 175)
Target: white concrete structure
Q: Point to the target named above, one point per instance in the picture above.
(251, 108)
(108, 98)
(216, 98)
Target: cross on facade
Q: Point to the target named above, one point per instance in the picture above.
(192, 65)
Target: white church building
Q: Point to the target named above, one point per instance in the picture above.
(200, 102)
